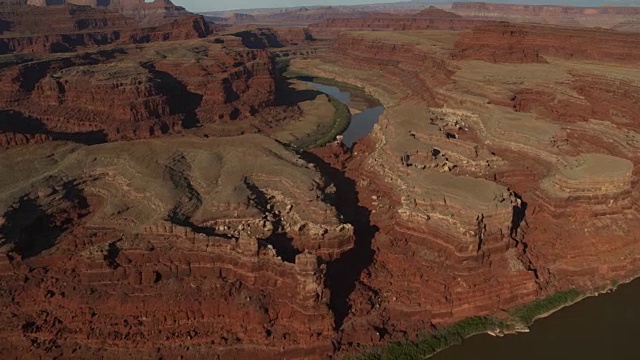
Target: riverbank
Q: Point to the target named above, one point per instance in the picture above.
(343, 97)
(282, 66)
(429, 344)
(591, 327)
(340, 120)
(360, 98)
(326, 134)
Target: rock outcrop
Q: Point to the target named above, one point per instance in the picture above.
(142, 253)
(632, 25)
(306, 15)
(146, 13)
(134, 93)
(232, 18)
(294, 35)
(275, 37)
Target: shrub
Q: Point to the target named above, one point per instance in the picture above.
(430, 343)
(527, 313)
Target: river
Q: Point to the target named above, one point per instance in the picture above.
(365, 111)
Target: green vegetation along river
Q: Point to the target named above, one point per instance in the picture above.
(596, 328)
(361, 123)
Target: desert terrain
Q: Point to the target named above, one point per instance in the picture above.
(172, 186)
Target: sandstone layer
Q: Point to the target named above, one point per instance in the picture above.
(305, 15)
(145, 13)
(531, 43)
(139, 252)
(274, 37)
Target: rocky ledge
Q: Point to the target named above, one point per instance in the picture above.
(135, 92)
(196, 246)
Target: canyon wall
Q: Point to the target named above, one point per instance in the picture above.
(274, 37)
(227, 269)
(112, 79)
(134, 93)
(306, 15)
(145, 13)
(31, 20)
(187, 28)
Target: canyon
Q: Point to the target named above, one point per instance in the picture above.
(153, 203)
(465, 205)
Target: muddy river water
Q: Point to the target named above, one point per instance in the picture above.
(597, 328)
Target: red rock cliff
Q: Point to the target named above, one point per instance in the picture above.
(136, 93)
(69, 28)
(146, 13)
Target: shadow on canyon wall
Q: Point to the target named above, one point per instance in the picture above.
(32, 229)
(344, 272)
(259, 41)
(518, 217)
(16, 122)
(281, 241)
(286, 94)
(181, 100)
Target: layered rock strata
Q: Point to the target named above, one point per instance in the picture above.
(57, 29)
(134, 93)
(605, 16)
(276, 37)
(160, 259)
(146, 13)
